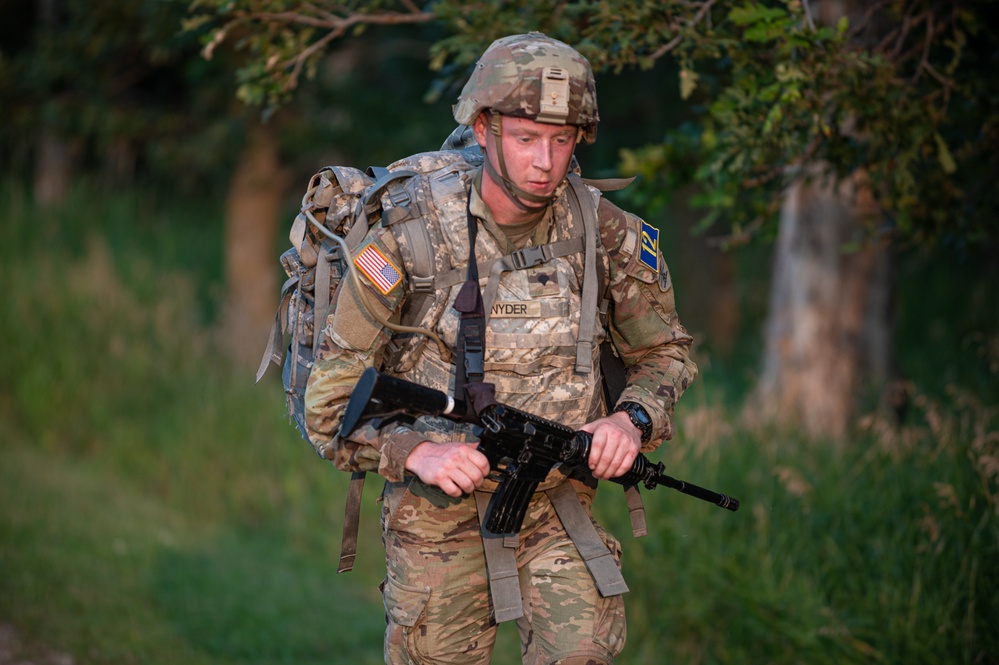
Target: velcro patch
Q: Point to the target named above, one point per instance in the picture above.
(649, 248)
(377, 267)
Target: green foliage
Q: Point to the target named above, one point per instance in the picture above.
(876, 98)
(159, 508)
(900, 93)
(285, 40)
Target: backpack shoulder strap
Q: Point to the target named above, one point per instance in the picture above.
(611, 366)
(581, 203)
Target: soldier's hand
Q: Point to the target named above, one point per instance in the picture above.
(455, 467)
(616, 444)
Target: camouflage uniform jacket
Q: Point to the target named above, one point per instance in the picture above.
(531, 331)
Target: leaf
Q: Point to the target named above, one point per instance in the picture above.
(437, 60)
(943, 153)
(688, 82)
(758, 33)
(754, 14)
(789, 72)
(774, 117)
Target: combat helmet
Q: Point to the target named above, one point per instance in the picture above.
(532, 76)
(529, 76)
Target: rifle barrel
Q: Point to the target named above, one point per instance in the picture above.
(720, 500)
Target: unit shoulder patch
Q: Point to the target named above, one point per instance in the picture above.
(649, 247)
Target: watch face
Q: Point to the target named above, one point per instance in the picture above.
(640, 413)
(639, 417)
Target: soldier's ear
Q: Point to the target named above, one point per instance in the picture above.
(480, 128)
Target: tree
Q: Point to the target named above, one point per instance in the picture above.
(891, 104)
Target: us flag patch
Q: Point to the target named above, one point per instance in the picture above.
(378, 269)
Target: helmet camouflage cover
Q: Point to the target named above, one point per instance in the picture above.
(532, 76)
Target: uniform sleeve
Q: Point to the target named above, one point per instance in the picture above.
(353, 340)
(644, 325)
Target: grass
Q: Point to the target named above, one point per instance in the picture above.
(156, 506)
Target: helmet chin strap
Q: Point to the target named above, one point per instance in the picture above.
(513, 192)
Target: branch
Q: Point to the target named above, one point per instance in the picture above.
(866, 19)
(772, 173)
(808, 14)
(333, 22)
(335, 25)
(673, 43)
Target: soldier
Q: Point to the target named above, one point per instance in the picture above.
(529, 101)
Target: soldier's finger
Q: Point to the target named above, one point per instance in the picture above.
(466, 480)
(622, 463)
(597, 446)
(450, 488)
(479, 460)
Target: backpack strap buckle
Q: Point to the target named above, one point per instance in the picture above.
(528, 257)
(422, 284)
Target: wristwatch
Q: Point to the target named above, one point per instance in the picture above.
(639, 418)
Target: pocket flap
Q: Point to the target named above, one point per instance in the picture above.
(404, 604)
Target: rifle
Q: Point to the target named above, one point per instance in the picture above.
(521, 448)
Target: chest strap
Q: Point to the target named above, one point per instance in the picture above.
(528, 257)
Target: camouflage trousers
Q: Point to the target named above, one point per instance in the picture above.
(436, 591)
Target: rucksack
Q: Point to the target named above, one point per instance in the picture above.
(346, 202)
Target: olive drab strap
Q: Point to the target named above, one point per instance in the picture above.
(599, 560)
(526, 257)
(351, 522)
(636, 511)
(588, 315)
(274, 350)
(501, 558)
(611, 366)
(501, 567)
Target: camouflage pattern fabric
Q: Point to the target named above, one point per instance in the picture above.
(436, 591)
(530, 359)
(509, 78)
(437, 596)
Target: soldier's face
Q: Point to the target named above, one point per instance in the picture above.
(537, 154)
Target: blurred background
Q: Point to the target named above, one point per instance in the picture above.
(156, 506)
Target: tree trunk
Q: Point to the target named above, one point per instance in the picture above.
(54, 159)
(253, 214)
(827, 337)
(54, 155)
